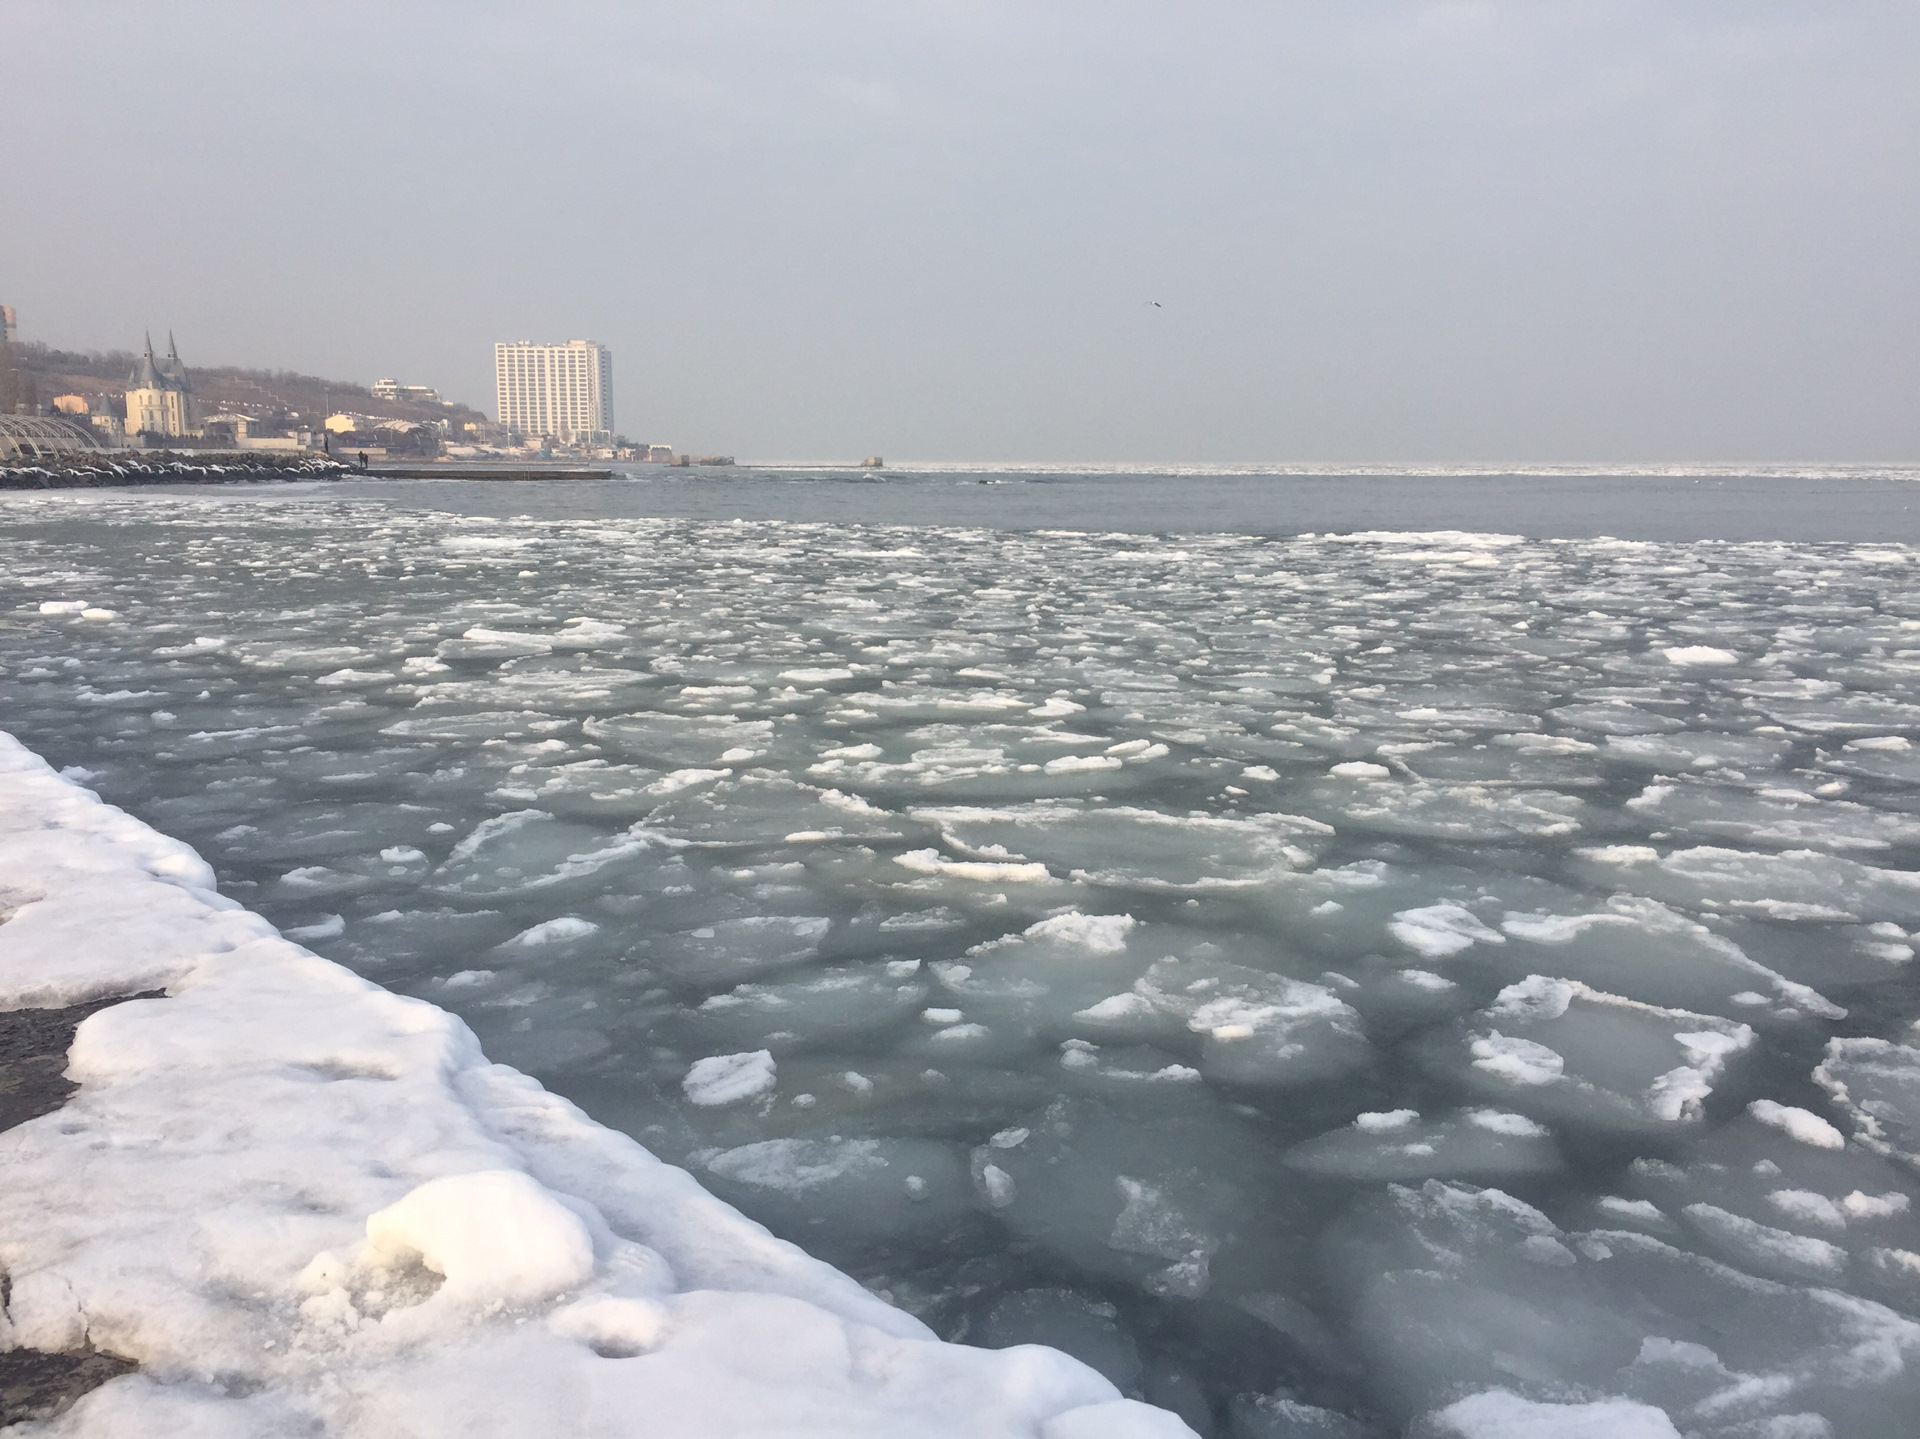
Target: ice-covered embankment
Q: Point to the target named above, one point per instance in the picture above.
(302, 1204)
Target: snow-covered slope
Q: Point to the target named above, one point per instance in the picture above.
(308, 1206)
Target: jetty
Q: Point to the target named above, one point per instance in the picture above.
(437, 471)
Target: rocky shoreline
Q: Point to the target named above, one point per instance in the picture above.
(98, 468)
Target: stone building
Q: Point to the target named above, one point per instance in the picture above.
(160, 396)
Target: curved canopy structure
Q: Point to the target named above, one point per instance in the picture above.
(40, 437)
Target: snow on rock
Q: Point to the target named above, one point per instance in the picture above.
(494, 1234)
(306, 1205)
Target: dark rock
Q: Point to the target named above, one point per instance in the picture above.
(35, 1385)
(33, 1057)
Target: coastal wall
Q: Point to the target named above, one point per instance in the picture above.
(91, 468)
(300, 1204)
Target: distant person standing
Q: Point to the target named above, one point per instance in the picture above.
(363, 459)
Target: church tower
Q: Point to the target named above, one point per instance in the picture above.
(160, 396)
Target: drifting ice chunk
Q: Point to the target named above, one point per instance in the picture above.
(1464, 813)
(1700, 655)
(1699, 750)
(1277, 1416)
(1147, 1201)
(1056, 708)
(1775, 816)
(767, 809)
(1640, 948)
(555, 931)
(529, 849)
(681, 740)
(1453, 1286)
(1259, 1028)
(729, 1078)
(1801, 1124)
(1763, 1249)
(481, 643)
(1135, 847)
(1132, 1065)
(1502, 1414)
(1878, 1083)
(1400, 1146)
(1064, 1320)
(1440, 930)
(1048, 971)
(1079, 764)
(1360, 769)
(721, 955)
(1560, 1048)
(932, 862)
(860, 1190)
(1794, 885)
(821, 1003)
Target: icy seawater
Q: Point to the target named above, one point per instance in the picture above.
(1317, 980)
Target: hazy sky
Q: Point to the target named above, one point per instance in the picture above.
(1618, 230)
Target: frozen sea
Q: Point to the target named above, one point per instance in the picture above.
(1313, 946)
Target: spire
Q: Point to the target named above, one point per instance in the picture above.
(146, 374)
(171, 369)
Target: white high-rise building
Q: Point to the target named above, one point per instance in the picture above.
(560, 392)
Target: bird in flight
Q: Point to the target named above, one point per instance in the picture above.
(1156, 304)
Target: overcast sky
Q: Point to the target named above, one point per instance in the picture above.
(1376, 229)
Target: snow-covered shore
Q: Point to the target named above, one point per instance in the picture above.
(305, 1205)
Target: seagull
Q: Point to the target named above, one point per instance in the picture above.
(1155, 303)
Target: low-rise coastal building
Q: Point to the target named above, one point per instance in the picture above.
(388, 388)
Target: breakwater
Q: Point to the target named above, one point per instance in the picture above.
(165, 467)
(444, 471)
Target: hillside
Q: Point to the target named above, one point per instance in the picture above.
(272, 396)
